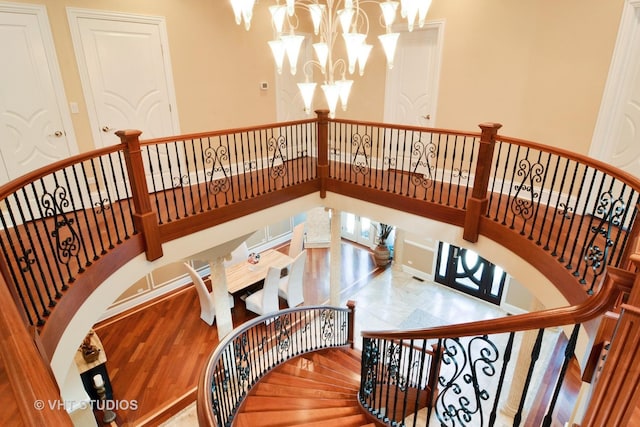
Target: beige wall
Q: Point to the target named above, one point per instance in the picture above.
(537, 66)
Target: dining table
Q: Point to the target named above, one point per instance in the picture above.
(244, 274)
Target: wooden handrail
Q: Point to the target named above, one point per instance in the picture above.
(616, 281)
(34, 389)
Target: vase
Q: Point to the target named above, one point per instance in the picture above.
(381, 255)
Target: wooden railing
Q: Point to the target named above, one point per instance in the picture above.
(256, 347)
(67, 227)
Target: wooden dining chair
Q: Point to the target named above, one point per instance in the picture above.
(291, 286)
(266, 299)
(207, 306)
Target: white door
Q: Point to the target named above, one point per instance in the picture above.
(616, 138)
(358, 229)
(412, 84)
(125, 72)
(35, 125)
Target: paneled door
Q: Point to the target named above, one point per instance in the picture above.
(126, 73)
(616, 137)
(412, 84)
(35, 124)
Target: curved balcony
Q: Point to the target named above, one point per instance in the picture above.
(68, 227)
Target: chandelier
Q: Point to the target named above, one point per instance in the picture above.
(332, 20)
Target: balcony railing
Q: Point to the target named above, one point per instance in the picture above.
(68, 226)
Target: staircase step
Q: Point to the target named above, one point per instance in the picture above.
(346, 368)
(279, 378)
(321, 374)
(333, 368)
(348, 356)
(278, 403)
(293, 417)
(348, 421)
(266, 389)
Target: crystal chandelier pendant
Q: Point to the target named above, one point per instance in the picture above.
(278, 13)
(307, 90)
(344, 88)
(389, 42)
(354, 42)
(292, 44)
(331, 94)
(278, 51)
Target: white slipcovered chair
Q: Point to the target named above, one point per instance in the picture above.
(297, 240)
(207, 306)
(266, 299)
(239, 254)
(290, 286)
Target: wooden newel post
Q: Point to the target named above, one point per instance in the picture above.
(477, 203)
(617, 390)
(351, 305)
(144, 219)
(323, 150)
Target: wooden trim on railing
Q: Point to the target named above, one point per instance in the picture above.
(199, 135)
(478, 202)
(33, 386)
(323, 150)
(84, 285)
(617, 390)
(616, 281)
(144, 218)
(14, 185)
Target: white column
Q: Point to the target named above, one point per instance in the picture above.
(224, 321)
(398, 249)
(335, 258)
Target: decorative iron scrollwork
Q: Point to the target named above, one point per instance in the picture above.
(26, 260)
(609, 211)
(327, 324)
(242, 362)
(277, 146)
(393, 356)
(64, 232)
(360, 158)
(421, 155)
(370, 358)
(283, 326)
(102, 206)
(181, 181)
(215, 157)
(531, 174)
(462, 372)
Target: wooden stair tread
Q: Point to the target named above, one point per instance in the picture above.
(267, 389)
(359, 420)
(292, 417)
(278, 403)
(320, 374)
(288, 375)
(346, 369)
(334, 369)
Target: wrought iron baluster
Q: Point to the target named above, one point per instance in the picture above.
(535, 354)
